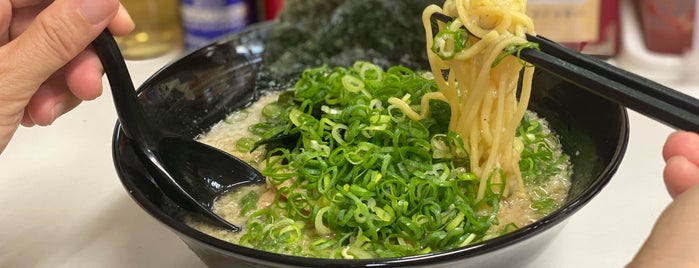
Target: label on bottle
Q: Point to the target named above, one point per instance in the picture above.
(567, 21)
(204, 21)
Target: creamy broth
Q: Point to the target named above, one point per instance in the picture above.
(517, 209)
(224, 136)
(226, 133)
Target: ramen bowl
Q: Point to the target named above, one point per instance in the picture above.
(195, 92)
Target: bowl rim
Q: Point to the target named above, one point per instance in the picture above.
(446, 256)
(499, 242)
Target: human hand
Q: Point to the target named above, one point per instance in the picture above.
(674, 240)
(681, 154)
(47, 67)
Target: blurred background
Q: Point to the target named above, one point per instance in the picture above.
(656, 36)
(163, 26)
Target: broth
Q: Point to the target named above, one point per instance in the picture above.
(516, 210)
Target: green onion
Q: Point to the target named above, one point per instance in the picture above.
(248, 203)
(512, 49)
(272, 111)
(363, 181)
(236, 117)
(245, 144)
(447, 43)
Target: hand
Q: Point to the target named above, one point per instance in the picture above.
(47, 67)
(681, 154)
(674, 240)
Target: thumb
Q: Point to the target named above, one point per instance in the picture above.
(57, 35)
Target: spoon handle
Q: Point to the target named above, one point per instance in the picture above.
(140, 130)
(129, 109)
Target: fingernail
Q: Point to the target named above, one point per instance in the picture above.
(56, 111)
(96, 11)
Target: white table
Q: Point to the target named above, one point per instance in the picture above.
(62, 204)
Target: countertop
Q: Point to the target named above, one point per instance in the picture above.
(63, 205)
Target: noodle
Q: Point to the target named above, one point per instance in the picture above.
(372, 173)
(485, 108)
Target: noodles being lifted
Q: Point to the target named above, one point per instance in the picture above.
(361, 164)
(481, 84)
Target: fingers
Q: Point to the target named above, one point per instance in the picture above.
(672, 242)
(39, 37)
(50, 34)
(682, 143)
(83, 75)
(680, 174)
(122, 23)
(81, 79)
(5, 21)
(681, 154)
(28, 3)
(49, 102)
(57, 35)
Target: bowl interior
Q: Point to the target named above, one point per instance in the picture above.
(200, 89)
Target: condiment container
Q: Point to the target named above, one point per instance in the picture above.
(667, 24)
(268, 9)
(204, 21)
(592, 26)
(157, 29)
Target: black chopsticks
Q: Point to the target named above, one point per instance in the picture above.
(628, 78)
(640, 94)
(649, 98)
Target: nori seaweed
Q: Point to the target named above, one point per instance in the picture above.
(311, 33)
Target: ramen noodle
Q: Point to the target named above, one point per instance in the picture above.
(363, 162)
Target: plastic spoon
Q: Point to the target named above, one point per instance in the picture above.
(190, 173)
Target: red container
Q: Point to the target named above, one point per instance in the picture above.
(268, 9)
(609, 36)
(667, 24)
(589, 25)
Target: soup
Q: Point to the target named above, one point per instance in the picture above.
(425, 202)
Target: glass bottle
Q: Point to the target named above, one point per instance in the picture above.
(204, 21)
(158, 30)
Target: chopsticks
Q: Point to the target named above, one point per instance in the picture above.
(640, 94)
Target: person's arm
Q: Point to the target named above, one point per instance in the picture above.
(674, 240)
(47, 68)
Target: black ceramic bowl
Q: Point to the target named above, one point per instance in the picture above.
(200, 89)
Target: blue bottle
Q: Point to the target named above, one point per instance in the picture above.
(204, 21)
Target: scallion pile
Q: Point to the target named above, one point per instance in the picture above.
(361, 180)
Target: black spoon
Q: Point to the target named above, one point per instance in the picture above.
(190, 173)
